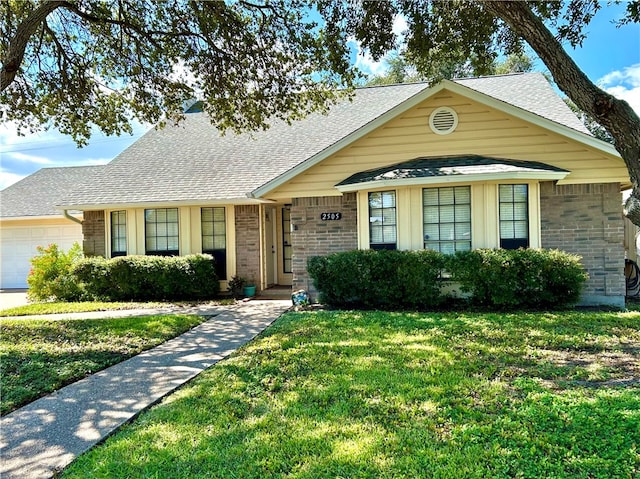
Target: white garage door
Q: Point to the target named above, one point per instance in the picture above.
(18, 245)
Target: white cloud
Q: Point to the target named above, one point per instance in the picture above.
(26, 158)
(7, 179)
(624, 84)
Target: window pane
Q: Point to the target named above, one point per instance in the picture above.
(463, 245)
(218, 215)
(389, 216)
(431, 214)
(520, 193)
(172, 229)
(389, 234)
(151, 244)
(446, 196)
(172, 243)
(463, 195)
(431, 232)
(389, 199)
(463, 213)
(207, 214)
(207, 243)
(172, 215)
(430, 196)
(376, 235)
(506, 193)
(506, 211)
(375, 200)
(447, 214)
(447, 247)
(219, 242)
(463, 231)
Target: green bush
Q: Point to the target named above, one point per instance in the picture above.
(50, 275)
(518, 279)
(148, 278)
(379, 279)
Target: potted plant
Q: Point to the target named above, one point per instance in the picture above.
(249, 288)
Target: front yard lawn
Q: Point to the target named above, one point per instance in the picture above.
(40, 356)
(401, 395)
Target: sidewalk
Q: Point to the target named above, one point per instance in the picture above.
(46, 435)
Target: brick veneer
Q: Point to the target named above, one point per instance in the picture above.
(248, 242)
(313, 237)
(93, 233)
(587, 220)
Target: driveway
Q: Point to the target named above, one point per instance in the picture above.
(11, 298)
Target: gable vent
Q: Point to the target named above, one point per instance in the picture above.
(443, 120)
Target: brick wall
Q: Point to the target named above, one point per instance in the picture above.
(313, 237)
(248, 242)
(93, 231)
(587, 220)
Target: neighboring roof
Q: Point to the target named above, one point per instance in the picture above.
(450, 166)
(193, 162)
(38, 194)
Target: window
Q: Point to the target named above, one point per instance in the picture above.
(214, 237)
(447, 218)
(514, 216)
(161, 231)
(382, 220)
(286, 239)
(118, 233)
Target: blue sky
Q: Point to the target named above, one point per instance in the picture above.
(609, 56)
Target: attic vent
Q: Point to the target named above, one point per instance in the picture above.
(443, 120)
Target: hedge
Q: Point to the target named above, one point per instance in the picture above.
(498, 279)
(519, 279)
(147, 278)
(383, 279)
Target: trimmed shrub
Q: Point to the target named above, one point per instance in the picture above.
(149, 278)
(379, 279)
(519, 279)
(50, 275)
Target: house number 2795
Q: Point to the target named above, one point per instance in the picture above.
(330, 216)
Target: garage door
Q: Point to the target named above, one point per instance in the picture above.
(18, 245)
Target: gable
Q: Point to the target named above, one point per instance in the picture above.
(482, 130)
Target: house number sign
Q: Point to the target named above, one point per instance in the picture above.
(330, 216)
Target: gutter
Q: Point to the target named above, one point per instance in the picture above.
(72, 218)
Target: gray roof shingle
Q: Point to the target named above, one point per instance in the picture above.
(193, 162)
(39, 193)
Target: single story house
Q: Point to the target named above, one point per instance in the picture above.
(487, 162)
(29, 218)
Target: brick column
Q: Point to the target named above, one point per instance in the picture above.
(93, 232)
(248, 242)
(311, 236)
(587, 220)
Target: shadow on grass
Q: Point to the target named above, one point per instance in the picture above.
(385, 395)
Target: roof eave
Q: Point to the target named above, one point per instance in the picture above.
(243, 200)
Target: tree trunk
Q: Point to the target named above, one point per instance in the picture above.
(15, 52)
(615, 115)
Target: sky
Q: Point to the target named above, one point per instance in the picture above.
(609, 56)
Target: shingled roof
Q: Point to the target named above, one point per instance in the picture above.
(193, 162)
(38, 194)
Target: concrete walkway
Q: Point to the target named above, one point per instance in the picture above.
(46, 435)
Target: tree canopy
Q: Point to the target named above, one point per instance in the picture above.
(73, 64)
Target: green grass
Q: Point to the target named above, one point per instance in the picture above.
(80, 307)
(389, 395)
(40, 356)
